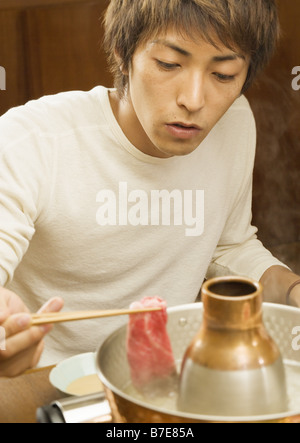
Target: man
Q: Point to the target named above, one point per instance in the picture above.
(111, 195)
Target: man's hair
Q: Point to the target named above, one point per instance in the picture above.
(248, 26)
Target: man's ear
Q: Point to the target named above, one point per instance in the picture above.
(121, 63)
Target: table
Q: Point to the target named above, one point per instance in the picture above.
(21, 396)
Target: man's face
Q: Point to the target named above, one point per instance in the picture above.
(178, 90)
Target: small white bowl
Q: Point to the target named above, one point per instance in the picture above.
(72, 369)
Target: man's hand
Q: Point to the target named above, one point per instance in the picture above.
(23, 344)
(276, 282)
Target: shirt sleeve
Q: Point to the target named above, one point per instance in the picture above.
(239, 251)
(24, 171)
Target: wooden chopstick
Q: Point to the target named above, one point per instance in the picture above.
(59, 317)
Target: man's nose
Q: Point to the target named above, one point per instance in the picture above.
(191, 93)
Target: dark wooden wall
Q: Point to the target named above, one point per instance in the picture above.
(276, 105)
(49, 46)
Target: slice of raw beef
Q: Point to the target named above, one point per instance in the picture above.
(149, 350)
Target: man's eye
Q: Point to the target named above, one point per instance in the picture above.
(167, 66)
(223, 77)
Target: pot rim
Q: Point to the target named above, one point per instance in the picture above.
(231, 279)
(198, 417)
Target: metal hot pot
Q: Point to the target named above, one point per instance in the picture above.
(281, 322)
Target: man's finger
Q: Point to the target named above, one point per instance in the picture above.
(53, 305)
(4, 310)
(21, 361)
(22, 341)
(16, 323)
(4, 314)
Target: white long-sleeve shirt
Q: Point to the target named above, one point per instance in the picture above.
(87, 216)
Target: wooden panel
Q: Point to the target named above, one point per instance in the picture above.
(49, 46)
(12, 59)
(276, 105)
(289, 254)
(64, 48)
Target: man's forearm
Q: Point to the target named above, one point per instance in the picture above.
(276, 282)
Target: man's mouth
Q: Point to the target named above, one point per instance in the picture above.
(185, 125)
(182, 130)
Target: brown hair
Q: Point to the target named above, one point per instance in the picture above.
(250, 26)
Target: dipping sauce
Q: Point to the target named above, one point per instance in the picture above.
(89, 384)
